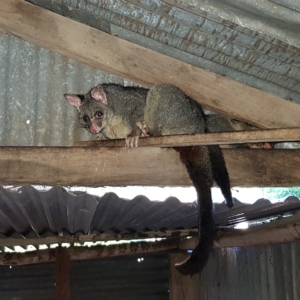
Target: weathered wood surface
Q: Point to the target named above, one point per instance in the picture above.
(71, 239)
(285, 230)
(62, 274)
(182, 287)
(83, 253)
(144, 66)
(149, 166)
(222, 138)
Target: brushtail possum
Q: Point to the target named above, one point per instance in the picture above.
(114, 111)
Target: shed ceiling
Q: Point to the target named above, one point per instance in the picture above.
(253, 43)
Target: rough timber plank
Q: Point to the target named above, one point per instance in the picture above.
(117, 56)
(182, 287)
(223, 138)
(62, 278)
(80, 239)
(142, 166)
(83, 253)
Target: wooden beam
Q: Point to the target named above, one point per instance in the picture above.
(84, 253)
(285, 230)
(182, 287)
(62, 262)
(92, 238)
(223, 138)
(144, 66)
(142, 166)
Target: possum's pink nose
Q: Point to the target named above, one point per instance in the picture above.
(94, 129)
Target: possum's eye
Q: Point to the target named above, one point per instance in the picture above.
(99, 114)
(85, 119)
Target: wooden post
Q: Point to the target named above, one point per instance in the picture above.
(62, 259)
(182, 287)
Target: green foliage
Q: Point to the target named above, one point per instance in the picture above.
(281, 192)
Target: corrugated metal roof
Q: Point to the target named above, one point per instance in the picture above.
(32, 84)
(28, 213)
(196, 37)
(275, 18)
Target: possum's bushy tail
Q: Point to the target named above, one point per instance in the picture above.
(201, 170)
(220, 174)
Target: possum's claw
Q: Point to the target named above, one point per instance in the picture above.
(261, 146)
(143, 126)
(101, 138)
(131, 142)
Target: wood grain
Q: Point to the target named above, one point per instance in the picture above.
(149, 166)
(92, 238)
(60, 255)
(62, 262)
(182, 287)
(223, 138)
(114, 55)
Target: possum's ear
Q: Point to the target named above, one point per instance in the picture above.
(73, 100)
(98, 94)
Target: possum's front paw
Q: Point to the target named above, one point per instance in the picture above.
(131, 141)
(261, 146)
(101, 137)
(143, 126)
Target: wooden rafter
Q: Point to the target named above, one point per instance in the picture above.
(223, 138)
(83, 253)
(117, 56)
(92, 238)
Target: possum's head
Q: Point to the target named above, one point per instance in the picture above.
(93, 111)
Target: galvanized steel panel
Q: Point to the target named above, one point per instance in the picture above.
(252, 273)
(106, 279)
(121, 278)
(32, 83)
(27, 282)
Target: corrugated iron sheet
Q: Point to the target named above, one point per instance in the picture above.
(121, 278)
(32, 83)
(27, 282)
(28, 213)
(196, 37)
(105, 279)
(252, 273)
(275, 18)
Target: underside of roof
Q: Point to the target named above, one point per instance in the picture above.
(250, 43)
(28, 216)
(257, 46)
